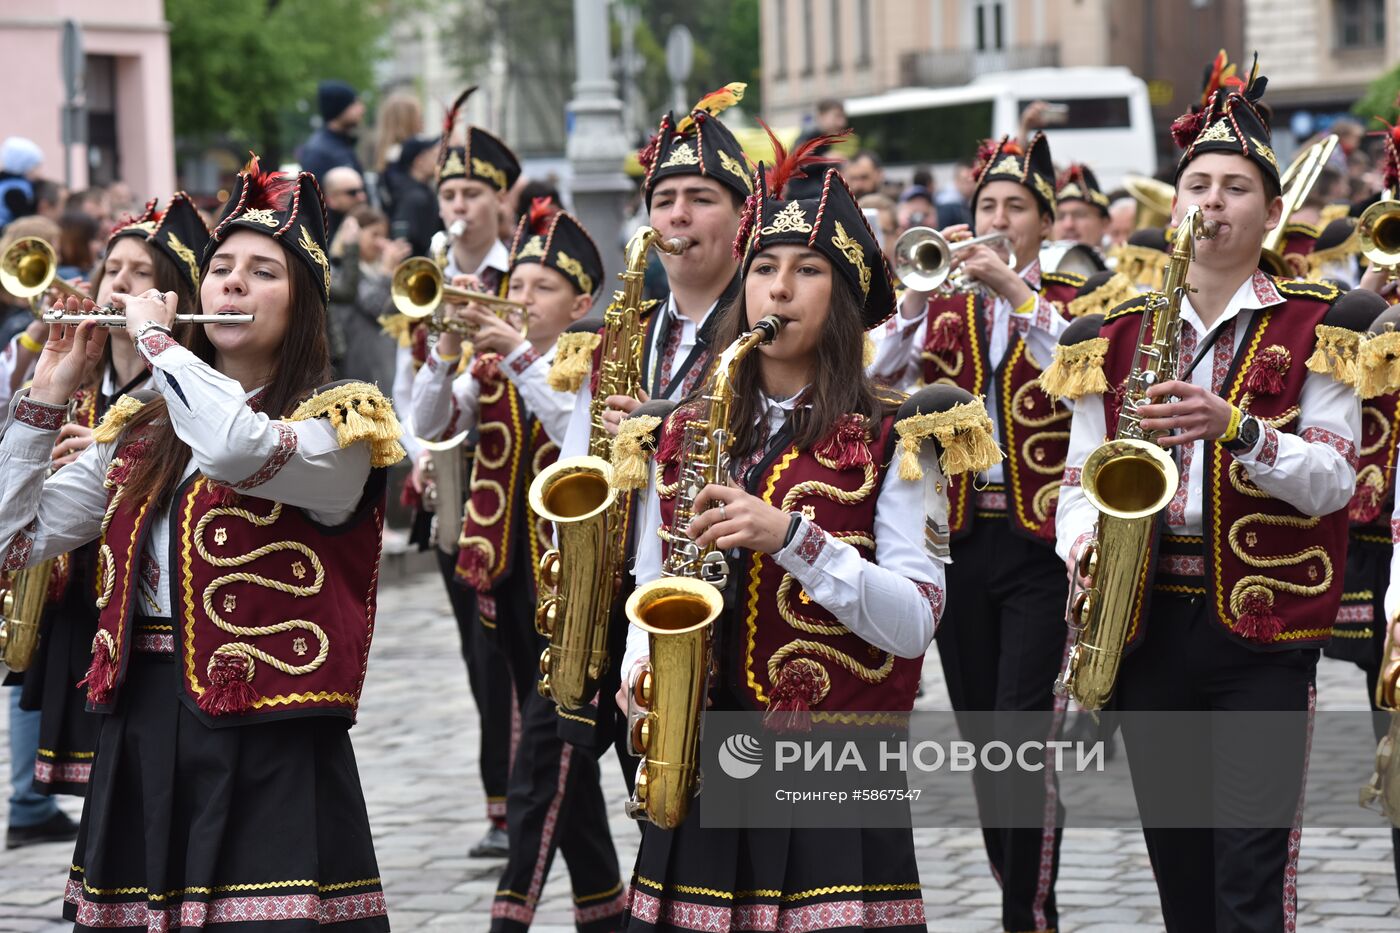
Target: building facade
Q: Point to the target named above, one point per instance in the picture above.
(128, 122)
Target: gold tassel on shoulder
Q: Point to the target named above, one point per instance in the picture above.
(1378, 365)
(359, 412)
(573, 360)
(116, 419)
(1076, 370)
(398, 326)
(964, 432)
(1336, 353)
(632, 448)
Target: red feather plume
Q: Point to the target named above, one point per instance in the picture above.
(789, 165)
(449, 121)
(1390, 171)
(541, 210)
(271, 190)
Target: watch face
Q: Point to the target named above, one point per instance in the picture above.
(1249, 431)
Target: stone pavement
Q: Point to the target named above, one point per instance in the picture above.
(416, 746)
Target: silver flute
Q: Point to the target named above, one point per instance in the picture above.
(112, 318)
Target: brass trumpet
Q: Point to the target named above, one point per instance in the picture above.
(1379, 230)
(923, 259)
(419, 290)
(1296, 184)
(29, 267)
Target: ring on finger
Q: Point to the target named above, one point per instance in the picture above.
(723, 516)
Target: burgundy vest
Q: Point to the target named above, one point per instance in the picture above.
(1272, 574)
(781, 646)
(1034, 427)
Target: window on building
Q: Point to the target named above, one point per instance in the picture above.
(989, 21)
(863, 33)
(104, 165)
(780, 38)
(1360, 24)
(834, 24)
(809, 54)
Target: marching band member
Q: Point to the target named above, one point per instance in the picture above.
(1004, 636)
(696, 183)
(1081, 208)
(805, 418)
(1242, 590)
(238, 509)
(554, 799)
(160, 250)
(473, 182)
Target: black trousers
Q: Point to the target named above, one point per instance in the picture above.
(1221, 879)
(555, 801)
(1001, 642)
(490, 685)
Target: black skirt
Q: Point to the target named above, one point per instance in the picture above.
(67, 731)
(694, 878)
(253, 828)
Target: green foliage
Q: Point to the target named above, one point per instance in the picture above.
(726, 47)
(1380, 99)
(245, 71)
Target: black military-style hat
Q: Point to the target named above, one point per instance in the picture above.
(1229, 119)
(1007, 160)
(554, 238)
(1077, 183)
(832, 224)
(482, 157)
(285, 207)
(698, 144)
(178, 232)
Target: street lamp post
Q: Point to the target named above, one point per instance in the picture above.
(597, 145)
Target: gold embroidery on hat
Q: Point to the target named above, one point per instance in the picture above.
(732, 166)
(146, 226)
(1217, 132)
(452, 167)
(854, 254)
(790, 219)
(314, 250)
(533, 247)
(260, 215)
(1047, 190)
(1265, 151)
(575, 268)
(1069, 191)
(185, 253)
(1007, 166)
(483, 169)
(682, 154)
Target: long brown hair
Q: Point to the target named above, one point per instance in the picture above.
(839, 385)
(303, 364)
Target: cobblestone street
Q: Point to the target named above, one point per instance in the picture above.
(415, 742)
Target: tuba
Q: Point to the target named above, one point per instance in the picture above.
(589, 514)
(666, 699)
(1129, 479)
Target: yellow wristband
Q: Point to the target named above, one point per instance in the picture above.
(29, 343)
(449, 359)
(1027, 306)
(1232, 430)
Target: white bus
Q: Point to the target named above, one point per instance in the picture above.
(1107, 120)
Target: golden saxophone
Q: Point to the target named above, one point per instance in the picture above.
(678, 612)
(588, 512)
(1129, 479)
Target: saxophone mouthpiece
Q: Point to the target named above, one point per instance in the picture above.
(770, 326)
(1209, 228)
(677, 245)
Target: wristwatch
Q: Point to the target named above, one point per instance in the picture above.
(1247, 437)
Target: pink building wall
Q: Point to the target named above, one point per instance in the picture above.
(136, 33)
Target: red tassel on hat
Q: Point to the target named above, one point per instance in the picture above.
(746, 222)
(797, 689)
(847, 445)
(472, 570)
(229, 689)
(1258, 622)
(102, 673)
(1186, 128)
